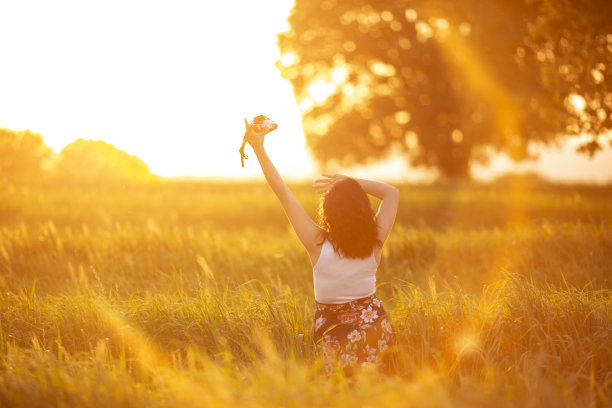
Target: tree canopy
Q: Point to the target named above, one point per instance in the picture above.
(98, 161)
(442, 80)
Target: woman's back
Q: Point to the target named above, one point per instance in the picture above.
(339, 279)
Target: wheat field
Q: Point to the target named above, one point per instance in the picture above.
(198, 294)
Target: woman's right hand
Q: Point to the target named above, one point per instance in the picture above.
(323, 185)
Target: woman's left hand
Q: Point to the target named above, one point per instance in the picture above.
(253, 137)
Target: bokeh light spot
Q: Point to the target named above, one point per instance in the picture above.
(349, 46)
(424, 31)
(465, 29)
(402, 117)
(287, 59)
(457, 136)
(411, 140)
(320, 90)
(411, 15)
(576, 103)
(339, 75)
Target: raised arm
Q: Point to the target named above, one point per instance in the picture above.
(389, 196)
(309, 233)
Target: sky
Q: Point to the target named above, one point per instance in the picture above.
(171, 81)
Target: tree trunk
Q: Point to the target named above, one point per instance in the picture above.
(454, 162)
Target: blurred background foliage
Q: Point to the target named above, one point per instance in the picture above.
(443, 81)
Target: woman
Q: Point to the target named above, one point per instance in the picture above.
(351, 326)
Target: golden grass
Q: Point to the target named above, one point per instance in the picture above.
(196, 295)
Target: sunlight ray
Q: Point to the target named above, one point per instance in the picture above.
(472, 68)
(157, 363)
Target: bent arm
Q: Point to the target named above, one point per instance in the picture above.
(389, 196)
(309, 233)
(378, 189)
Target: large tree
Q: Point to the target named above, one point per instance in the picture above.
(443, 80)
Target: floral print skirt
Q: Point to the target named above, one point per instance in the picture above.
(353, 334)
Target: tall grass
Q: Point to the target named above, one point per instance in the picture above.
(199, 295)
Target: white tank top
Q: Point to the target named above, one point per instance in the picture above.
(339, 280)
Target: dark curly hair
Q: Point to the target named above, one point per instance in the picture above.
(348, 219)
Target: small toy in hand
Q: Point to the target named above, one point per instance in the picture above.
(260, 124)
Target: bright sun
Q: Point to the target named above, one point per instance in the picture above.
(168, 82)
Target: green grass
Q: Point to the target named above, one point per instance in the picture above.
(195, 294)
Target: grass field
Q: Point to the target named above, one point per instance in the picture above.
(195, 294)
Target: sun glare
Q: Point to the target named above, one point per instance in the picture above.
(162, 84)
(473, 68)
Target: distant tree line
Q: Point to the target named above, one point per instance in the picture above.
(25, 158)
